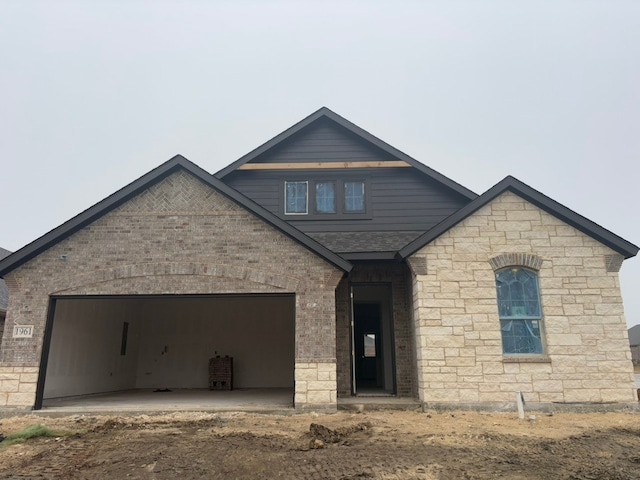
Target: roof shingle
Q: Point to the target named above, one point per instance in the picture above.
(360, 242)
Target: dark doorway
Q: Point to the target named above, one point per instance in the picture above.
(367, 345)
(372, 335)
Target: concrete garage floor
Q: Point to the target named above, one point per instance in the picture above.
(268, 400)
(147, 401)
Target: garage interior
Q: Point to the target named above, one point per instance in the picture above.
(146, 351)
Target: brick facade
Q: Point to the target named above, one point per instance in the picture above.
(459, 351)
(180, 236)
(177, 237)
(398, 276)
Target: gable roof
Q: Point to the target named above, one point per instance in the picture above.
(325, 113)
(4, 291)
(121, 196)
(512, 184)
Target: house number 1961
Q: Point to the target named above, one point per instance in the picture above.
(23, 331)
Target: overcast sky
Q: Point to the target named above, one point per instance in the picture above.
(95, 94)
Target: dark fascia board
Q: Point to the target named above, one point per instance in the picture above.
(121, 196)
(366, 256)
(356, 130)
(512, 184)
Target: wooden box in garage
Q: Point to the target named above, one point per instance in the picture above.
(221, 373)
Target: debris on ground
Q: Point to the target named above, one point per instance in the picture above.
(388, 445)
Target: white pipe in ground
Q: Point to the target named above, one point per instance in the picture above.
(520, 403)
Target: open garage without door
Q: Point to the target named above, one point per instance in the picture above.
(98, 344)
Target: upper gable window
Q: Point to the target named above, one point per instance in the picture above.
(354, 197)
(325, 197)
(335, 199)
(520, 312)
(296, 198)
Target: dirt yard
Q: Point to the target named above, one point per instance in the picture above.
(376, 445)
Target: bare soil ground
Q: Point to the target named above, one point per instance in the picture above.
(371, 445)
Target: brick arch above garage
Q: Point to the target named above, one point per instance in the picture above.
(167, 278)
(180, 227)
(178, 236)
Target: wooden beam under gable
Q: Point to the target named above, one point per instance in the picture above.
(324, 165)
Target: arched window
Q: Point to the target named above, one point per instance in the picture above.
(520, 312)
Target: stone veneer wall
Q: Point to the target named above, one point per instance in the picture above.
(177, 237)
(456, 316)
(399, 277)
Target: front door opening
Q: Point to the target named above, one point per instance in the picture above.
(372, 335)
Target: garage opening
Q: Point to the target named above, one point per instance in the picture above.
(159, 348)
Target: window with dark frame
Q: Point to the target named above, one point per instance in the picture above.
(353, 197)
(520, 311)
(296, 198)
(325, 197)
(328, 197)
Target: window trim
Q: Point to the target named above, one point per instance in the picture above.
(340, 213)
(335, 197)
(307, 197)
(344, 197)
(528, 356)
